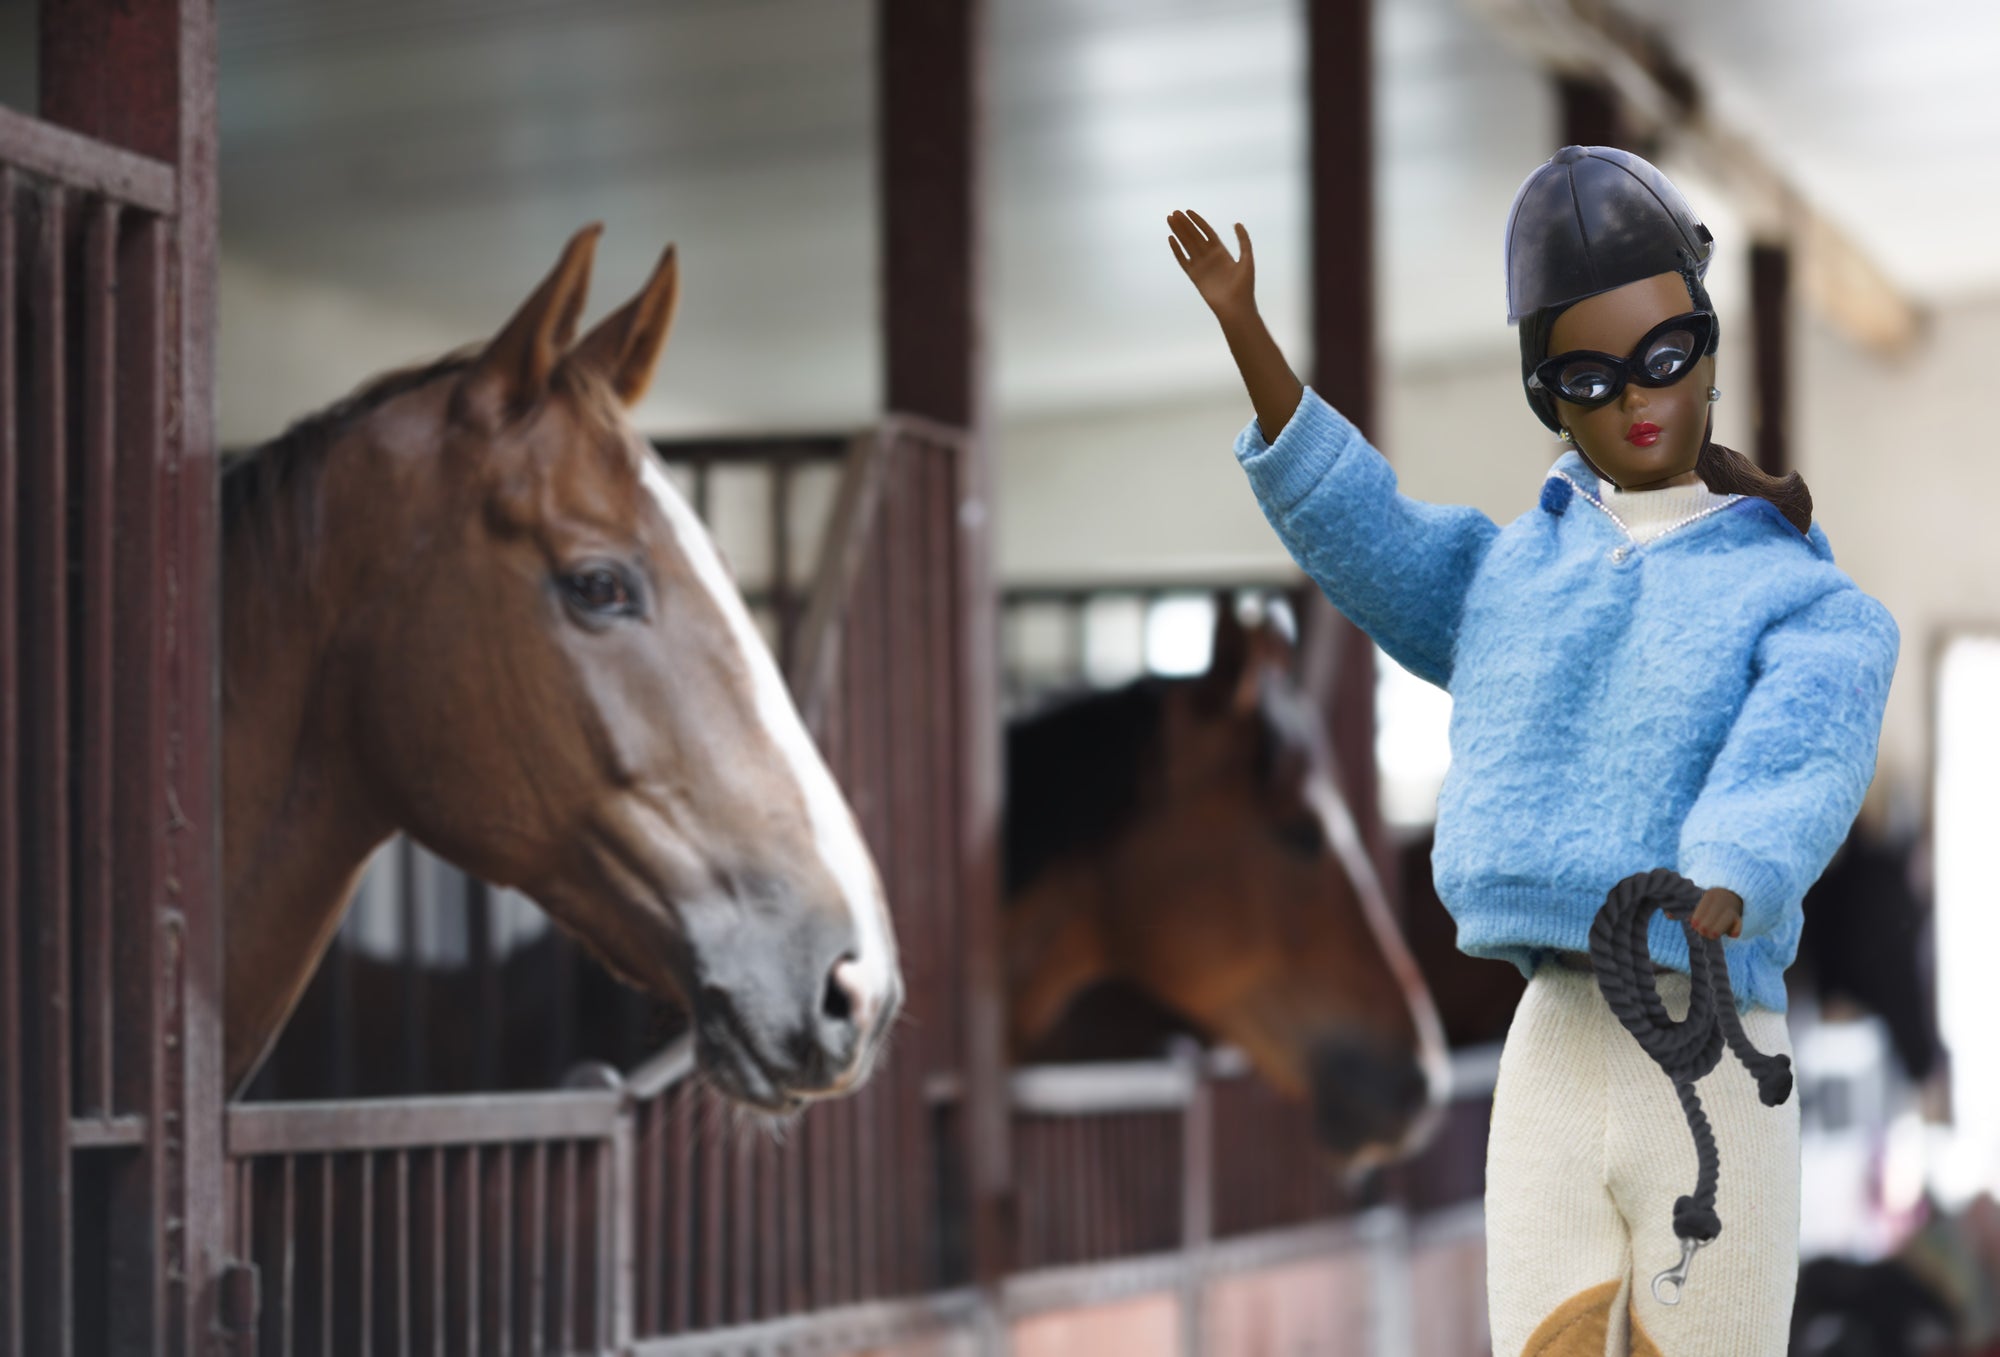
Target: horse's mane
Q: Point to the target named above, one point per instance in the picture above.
(1076, 774)
(286, 470)
(289, 466)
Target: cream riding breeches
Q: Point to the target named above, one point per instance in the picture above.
(1589, 1150)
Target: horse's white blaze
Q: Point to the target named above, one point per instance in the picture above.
(835, 833)
(1344, 837)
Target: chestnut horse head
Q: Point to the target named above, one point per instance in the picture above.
(1185, 837)
(466, 603)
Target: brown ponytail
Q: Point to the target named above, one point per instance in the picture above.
(1728, 472)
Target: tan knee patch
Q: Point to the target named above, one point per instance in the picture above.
(1642, 1343)
(1578, 1327)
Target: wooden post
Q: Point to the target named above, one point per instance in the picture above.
(1771, 338)
(929, 159)
(142, 77)
(930, 110)
(1590, 113)
(1344, 368)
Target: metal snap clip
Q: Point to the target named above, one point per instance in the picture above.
(1619, 553)
(1667, 1287)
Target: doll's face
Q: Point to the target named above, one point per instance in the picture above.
(1613, 322)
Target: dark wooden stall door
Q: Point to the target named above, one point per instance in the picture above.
(110, 1085)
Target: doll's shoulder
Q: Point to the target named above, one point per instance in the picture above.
(1769, 528)
(1802, 562)
(1812, 596)
(1766, 572)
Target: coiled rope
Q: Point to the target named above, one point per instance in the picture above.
(1685, 1050)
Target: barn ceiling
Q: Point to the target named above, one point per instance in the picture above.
(430, 158)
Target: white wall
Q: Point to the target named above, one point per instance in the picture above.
(286, 347)
(1901, 461)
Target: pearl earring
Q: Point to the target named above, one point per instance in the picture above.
(1713, 395)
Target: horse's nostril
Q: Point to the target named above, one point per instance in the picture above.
(837, 1003)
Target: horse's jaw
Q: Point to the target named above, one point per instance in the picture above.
(292, 880)
(297, 825)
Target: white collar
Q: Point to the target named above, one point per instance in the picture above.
(1648, 513)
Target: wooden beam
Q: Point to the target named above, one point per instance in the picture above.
(1339, 659)
(1592, 114)
(929, 181)
(1842, 284)
(931, 101)
(1342, 195)
(1771, 341)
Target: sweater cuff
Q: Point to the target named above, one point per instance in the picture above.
(1284, 472)
(1724, 864)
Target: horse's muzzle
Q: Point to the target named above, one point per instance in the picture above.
(785, 1019)
(1364, 1095)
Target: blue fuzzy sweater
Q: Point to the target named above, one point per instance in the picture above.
(1709, 701)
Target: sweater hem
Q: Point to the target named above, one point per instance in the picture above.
(1522, 924)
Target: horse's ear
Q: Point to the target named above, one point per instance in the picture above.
(626, 344)
(513, 372)
(1230, 657)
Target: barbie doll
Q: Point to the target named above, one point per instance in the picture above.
(1657, 666)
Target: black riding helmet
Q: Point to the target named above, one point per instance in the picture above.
(1590, 219)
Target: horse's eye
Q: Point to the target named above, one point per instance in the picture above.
(598, 590)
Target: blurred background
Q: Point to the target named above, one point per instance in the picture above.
(394, 175)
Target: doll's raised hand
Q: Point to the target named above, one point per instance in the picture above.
(1720, 911)
(1226, 283)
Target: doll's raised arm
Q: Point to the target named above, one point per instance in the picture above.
(1788, 781)
(1229, 287)
(1396, 566)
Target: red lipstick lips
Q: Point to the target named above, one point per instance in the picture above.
(1643, 435)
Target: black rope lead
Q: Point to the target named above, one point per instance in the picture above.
(1685, 1050)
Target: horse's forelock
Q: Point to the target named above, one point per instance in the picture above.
(1077, 772)
(600, 427)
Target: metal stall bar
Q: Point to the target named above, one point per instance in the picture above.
(471, 1240)
(46, 771)
(138, 1262)
(13, 1300)
(96, 1017)
(87, 165)
(905, 1148)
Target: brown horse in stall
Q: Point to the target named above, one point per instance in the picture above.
(467, 604)
(1184, 837)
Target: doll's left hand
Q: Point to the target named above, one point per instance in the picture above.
(1720, 911)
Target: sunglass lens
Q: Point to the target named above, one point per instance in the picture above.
(1668, 355)
(1585, 382)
